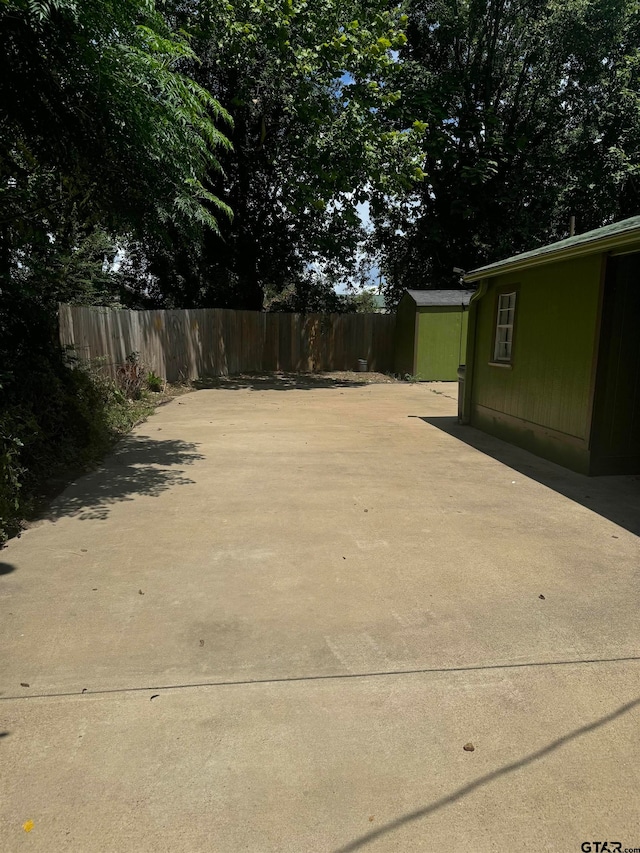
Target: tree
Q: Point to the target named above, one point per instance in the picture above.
(312, 294)
(99, 128)
(101, 134)
(366, 302)
(308, 88)
(528, 113)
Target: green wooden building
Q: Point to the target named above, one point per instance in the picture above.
(431, 333)
(553, 353)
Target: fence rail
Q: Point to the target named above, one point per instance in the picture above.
(188, 344)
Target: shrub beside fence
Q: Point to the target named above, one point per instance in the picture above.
(192, 343)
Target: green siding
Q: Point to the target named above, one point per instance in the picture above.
(405, 336)
(546, 443)
(549, 382)
(441, 345)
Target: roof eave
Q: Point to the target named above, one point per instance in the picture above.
(606, 244)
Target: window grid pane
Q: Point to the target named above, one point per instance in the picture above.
(504, 326)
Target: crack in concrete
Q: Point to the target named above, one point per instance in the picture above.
(328, 677)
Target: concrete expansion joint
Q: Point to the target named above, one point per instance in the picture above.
(328, 677)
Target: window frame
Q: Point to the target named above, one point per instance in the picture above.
(511, 291)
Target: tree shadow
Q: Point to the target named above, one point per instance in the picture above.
(6, 568)
(280, 382)
(429, 809)
(614, 497)
(139, 465)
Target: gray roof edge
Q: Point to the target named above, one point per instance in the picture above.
(435, 298)
(609, 236)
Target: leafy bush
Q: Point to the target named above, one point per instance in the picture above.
(154, 382)
(56, 415)
(10, 472)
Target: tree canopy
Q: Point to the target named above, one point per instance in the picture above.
(529, 113)
(308, 88)
(100, 128)
(230, 148)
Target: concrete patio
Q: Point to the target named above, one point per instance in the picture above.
(276, 615)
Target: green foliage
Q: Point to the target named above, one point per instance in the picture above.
(365, 302)
(103, 136)
(10, 472)
(95, 93)
(154, 383)
(308, 87)
(528, 113)
(56, 416)
(312, 294)
(101, 130)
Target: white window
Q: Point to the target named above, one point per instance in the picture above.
(504, 326)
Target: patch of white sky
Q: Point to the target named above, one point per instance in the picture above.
(119, 257)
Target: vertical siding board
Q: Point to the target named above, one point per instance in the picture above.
(296, 336)
(335, 338)
(260, 360)
(171, 360)
(307, 342)
(283, 342)
(357, 335)
(235, 342)
(227, 332)
(326, 337)
(230, 339)
(375, 342)
(209, 342)
(270, 358)
(220, 349)
(342, 335)
(353, 343)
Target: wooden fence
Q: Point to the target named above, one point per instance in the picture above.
(188, 344)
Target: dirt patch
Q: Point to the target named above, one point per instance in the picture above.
(283, 381)
(353, 376)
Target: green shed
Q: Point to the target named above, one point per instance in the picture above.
(553, 352)
(431, 333)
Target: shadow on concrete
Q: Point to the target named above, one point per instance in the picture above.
(616, 498)
(429, 809)
(287, 381)
(6, 568)
(139, 465)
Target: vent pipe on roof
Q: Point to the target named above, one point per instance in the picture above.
(572, 226)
